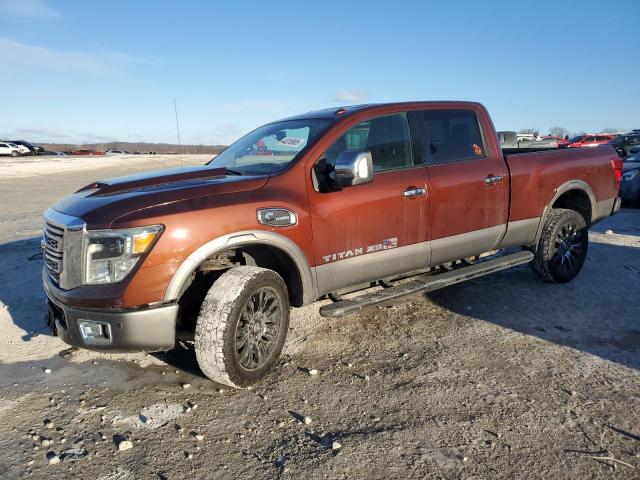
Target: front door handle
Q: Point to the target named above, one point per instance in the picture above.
(491, 179)
(414, 192)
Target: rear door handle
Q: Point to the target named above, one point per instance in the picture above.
(414, 192)
(490, 179)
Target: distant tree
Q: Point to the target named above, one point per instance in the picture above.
(609, 130)
(529, 130)
(558, 132)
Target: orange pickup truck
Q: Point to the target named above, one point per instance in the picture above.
(405, 197)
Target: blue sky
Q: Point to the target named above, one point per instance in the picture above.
(76, 71)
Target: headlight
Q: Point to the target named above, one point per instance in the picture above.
(109, 255)
(630, 175)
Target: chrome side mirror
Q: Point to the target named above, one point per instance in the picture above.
(353, 167)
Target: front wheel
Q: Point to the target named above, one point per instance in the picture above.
(562, 248)
(15, 154)
(242, 326)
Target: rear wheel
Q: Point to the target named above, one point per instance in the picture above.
(242, 326)
(562, 248)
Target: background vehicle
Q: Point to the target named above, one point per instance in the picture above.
(219, 253)
(21, 148)
(33, 149)
(50, 153)
(624, 143)
(561, 142)
(8, 149)
(630, 184)
(512, 140)
(589, 140)
(116, 152)
(86, 152)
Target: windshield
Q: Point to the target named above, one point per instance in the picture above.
(576, 139)
(270, 148)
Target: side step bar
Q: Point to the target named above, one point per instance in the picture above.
(425, 283)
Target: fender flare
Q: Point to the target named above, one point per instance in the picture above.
(249, 237)
(561, 190)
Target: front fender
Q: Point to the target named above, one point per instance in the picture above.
(250, 237)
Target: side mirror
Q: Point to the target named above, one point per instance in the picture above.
(353, 167)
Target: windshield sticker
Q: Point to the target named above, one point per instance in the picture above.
(291, 141)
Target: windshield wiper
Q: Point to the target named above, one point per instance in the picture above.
(229, 171)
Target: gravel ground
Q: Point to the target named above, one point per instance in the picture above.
(500, 377)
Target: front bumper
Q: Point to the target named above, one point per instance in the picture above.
(151, 329)
(142, 329)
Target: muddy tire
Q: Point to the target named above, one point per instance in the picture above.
(562, 248)
(242, 326)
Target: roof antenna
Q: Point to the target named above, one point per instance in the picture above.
(175, 108)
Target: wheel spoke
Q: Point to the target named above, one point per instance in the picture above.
(241, 341)
(258, 328)
(244, 355)
(257, 353)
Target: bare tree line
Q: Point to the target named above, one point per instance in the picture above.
(562, 132)
(136, 147)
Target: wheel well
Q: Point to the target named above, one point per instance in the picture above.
(201, 280)
(576, 200)
(275, 259)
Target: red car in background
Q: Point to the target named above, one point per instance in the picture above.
(589, 140)
(86, 152)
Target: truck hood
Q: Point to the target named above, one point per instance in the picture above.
(103, 201)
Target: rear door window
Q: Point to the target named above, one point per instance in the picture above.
(452, 135)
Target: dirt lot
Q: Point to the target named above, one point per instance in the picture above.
(501, 377)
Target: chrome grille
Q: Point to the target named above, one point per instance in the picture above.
(53, 239)
(62, 248)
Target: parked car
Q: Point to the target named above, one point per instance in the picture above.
(21, 148)
(50, 153)
(351, 198)
(116, 152)
(512, 140)
(33, 149)
(9, 149)
(630, 184)
(86, 151)
(560, 141)
(625, 143)
(589, 140)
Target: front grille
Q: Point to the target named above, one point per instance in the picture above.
(62, 248)
(53, 237)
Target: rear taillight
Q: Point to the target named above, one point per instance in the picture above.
(616, 166)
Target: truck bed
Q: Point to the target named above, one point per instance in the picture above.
(536, 177)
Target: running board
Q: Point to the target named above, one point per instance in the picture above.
(425, 283)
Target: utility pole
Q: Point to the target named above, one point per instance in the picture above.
(175, 108)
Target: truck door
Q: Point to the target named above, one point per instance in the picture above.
(369, 232)
(468, 184)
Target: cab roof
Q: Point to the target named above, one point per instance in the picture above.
(335, 113)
